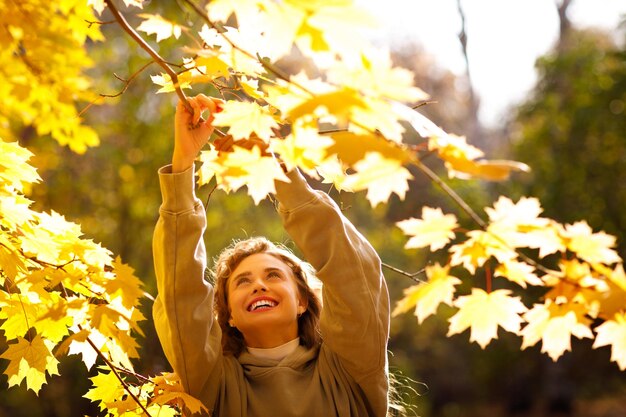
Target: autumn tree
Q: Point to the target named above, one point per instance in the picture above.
(572, 128)
(345, 124)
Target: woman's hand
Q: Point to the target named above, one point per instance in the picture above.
(190, 133)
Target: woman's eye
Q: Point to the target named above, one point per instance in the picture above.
(273, 275)
(242, 281)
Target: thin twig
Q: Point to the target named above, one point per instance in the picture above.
(139, 377)
(413, 275)
(127, 81)
(97, 22)
(155, 56)
(424, 103)
(206, 206)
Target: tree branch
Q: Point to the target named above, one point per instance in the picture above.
(155, 56)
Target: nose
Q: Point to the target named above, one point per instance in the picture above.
(259, 286)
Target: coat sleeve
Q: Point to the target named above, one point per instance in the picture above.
(183, 310)
(355, 316)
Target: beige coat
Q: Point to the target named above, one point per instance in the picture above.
(345, 376)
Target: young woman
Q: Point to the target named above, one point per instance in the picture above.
(271, 352)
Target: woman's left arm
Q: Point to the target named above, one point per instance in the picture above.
(355, 317)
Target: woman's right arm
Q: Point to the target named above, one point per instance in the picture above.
(183, 309)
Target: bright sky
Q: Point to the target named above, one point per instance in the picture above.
(504, 38)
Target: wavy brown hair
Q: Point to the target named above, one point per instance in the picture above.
(308, 322)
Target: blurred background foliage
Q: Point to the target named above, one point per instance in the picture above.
(571, 130)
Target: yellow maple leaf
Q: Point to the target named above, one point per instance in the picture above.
(592, 247)
(480, 246)
(519, 272)
(434, 229)
(380, 176)
(245, 10)
(209, 63)
(600, 288)
(243, 58)
(245, 118)
(483, 312)
(303, 148)
(30, 361)
(377, 116)
(546, 238)
(125, 284)
(613, 333)
(352, 147)
(555, 324)
(14, 211)
(156, 24)
(79, 346)
(333, 172)
(336, 105)
(134, 3)
(427, 296)
(106, 389)
(169, 390)
(453, 149)
(523, 213)
(52, 326)
(167, 86)
(286, 96)
(19, 312)
(15, 172)
(333, 28)
(252, 169)
(13, 263)
(374, 75)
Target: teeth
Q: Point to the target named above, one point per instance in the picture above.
(262, 303)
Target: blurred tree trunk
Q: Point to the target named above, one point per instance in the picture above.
(565, 24)
(474, 129)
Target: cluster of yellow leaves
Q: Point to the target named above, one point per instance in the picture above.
(590, 283)
(41, 80)
(356, 95)
(161, 396)
(59, 292)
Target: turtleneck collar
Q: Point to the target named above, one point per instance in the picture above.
(277, 353)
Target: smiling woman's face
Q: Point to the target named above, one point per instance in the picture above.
(264, 301)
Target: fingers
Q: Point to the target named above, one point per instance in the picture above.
(201, 103)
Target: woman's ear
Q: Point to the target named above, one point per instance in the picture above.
(231, 322)
(302, 305)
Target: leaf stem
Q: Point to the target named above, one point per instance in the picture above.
(446, 188)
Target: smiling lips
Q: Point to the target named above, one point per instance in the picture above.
(262, 304)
